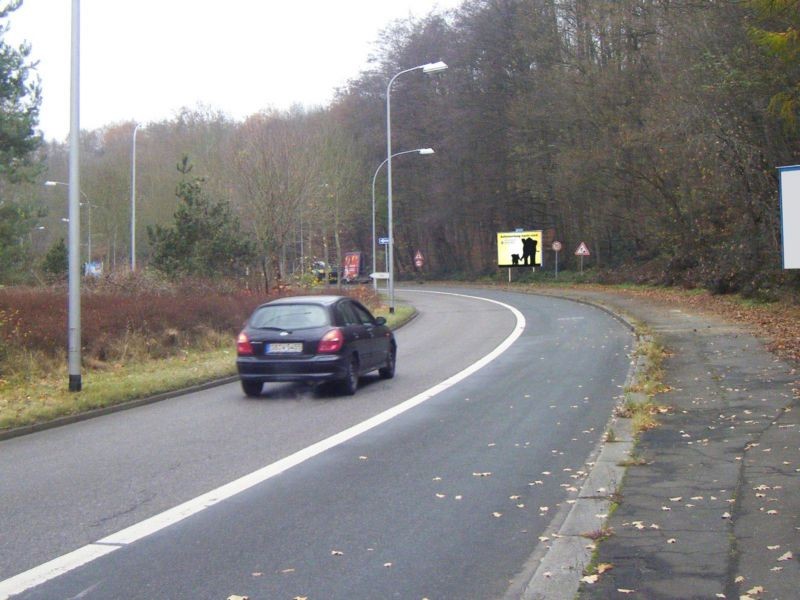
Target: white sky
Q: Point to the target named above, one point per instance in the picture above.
(143, 60)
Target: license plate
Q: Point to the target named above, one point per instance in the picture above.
(284, 348)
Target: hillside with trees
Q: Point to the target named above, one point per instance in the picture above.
(650, 129)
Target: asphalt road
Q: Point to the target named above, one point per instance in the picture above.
(446, 500)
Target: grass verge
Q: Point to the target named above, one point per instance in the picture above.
(42, 395)
(28, 403)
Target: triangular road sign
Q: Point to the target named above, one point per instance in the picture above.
(583, 250)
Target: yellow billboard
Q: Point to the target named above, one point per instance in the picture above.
(519, 249)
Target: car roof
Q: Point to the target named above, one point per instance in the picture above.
(322, 300)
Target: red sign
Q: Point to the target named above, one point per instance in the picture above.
(583, 250)
(352, 265)
(419, 260)
(557, 246)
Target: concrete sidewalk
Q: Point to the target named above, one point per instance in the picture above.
(714, 511)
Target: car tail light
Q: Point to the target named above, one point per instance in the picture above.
(243, 347)
(331, 342)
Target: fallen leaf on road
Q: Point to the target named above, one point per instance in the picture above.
(337, 553)
(756, 590)
(624, 591)
(287, 571)
(481, 474)
(440, 496)
(497, 515)
(739, 579)
(776, 569)
(676, 499)
(603, 567)
(773, 547)
(787, 556)
(235, 597)
(544, 538)
(672, 541)
(387, 565)
(590, 579)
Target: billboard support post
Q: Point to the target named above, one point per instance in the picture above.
(790, 215)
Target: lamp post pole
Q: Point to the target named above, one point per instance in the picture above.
(74, 292)
(133, 199)
(426, 68)
(374, 247)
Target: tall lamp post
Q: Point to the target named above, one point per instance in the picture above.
(374, 247)
(133, 199)
(74, 291)
(426, 68)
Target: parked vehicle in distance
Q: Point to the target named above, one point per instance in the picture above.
(319, 268)
(313, 339)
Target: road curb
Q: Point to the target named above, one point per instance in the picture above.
(558, 562)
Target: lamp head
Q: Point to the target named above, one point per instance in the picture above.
(434, 67)
(426, 151)
(51, 183)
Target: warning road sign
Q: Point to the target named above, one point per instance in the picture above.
(583, 250)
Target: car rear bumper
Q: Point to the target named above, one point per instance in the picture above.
(309, 369)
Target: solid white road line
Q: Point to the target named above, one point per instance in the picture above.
(67, 562)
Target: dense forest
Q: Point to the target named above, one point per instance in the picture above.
(649, 129)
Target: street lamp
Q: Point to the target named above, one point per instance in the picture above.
(133, 199)
(89, 217)
(426, 68)
(374, 248)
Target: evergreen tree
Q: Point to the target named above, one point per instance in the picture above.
(206, 239)
(55, 262)
(20, 99)
(19, 114)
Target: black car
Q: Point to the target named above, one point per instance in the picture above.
(313, 339)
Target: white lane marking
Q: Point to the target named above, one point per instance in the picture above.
(67, 562)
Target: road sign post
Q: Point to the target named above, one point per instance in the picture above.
(556, 248)
(582, 250)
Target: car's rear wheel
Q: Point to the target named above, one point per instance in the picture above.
(349, 384)
(252, 388)
(387, 371)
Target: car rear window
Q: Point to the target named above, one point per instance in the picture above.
(289, 316)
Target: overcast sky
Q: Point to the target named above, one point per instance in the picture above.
(143, 60)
